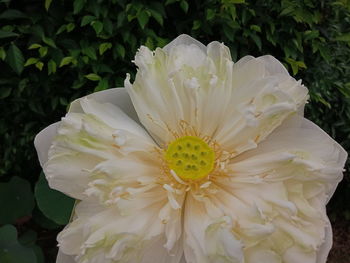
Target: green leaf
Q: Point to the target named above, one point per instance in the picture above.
(49, 41)
(6, 34)
(31, 61)
(70, 27)
(54, 205)
(93, 77)
(43, 51)
(256, 40)
(47, 4)
(149, 43)
(11, 251)
(120, 50)
(295, 65)
(5, 92)
(85, 59)
(255, 28)
(104, 47)
(51, 67)
(143, 18)
(344, 37)
(16, 200)
(34, 46)
(98, 26)
(196, 24)
(90, 52)
(15, 58)
(78, 6)
(61, 29)
(28, 238)
(210, 14)
(102, 85)
(168, 2)
(157, 16)
(311, 34)
(108, 26)
(38, 253)
(11, 14)
(2, 53)
(236, 1)
(40, 218)
(39, 65)
(87, 20)
(184, 5)
(66, 61)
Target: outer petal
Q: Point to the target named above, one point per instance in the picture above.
(116, 96)
(185, 84)
(315, 148)
(100, 133)
(107, 235)
(208, 234)
(289, 178)
(43, 140)
(184, 40)
(63, 258)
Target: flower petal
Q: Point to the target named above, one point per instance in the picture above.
(108, 235)
(116, 96)
(63, 258)
(289, 178)
(43, 140)
(209, 239)
(186, 83)
(322, 253)
(184, 40)
(100, 133)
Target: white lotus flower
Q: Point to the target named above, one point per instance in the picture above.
(218, 165)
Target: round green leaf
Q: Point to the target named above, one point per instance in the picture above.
(10, 250)
(16, 200)
(54, 205)
(43, 221)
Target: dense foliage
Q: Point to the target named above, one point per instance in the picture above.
(54, 51)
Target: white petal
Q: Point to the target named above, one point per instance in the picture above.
(307, 142)
(184, 40)
(262, 256)
(108, 235)
(100, 133)
(290, 177)
(209, 239)
(43, 140)
(188, 84)
(296, 254)
(63, 258)
(323, 251)
(116, 96)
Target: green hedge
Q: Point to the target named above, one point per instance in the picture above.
(54, 51)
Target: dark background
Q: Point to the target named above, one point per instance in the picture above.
(52, 52)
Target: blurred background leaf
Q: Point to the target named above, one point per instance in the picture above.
(16, 200)
(11, 251)
(54, 205)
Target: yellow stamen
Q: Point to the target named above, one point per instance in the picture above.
(190, 157)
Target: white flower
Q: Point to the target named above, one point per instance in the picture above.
(226, 169)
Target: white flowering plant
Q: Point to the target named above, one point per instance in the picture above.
(199, 160)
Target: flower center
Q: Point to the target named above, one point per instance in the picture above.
(190, 157)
